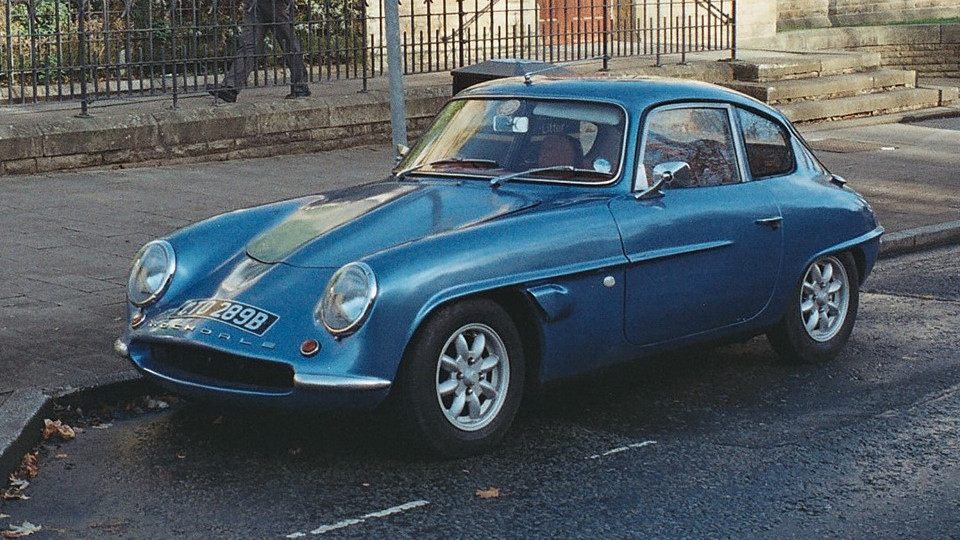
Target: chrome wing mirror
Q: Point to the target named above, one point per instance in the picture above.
(672, 173)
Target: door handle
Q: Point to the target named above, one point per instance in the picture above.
(772, 222)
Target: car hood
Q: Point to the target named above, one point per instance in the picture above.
(333, 229)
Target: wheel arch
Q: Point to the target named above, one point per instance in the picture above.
(794, 344)
(864, 250)
(522, 313)
(860, 260)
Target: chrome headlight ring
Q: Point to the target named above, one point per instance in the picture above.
(347, 298)
(152, 271)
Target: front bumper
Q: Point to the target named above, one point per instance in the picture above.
(204, 374)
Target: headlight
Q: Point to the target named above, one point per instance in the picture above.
(347, 299)
(151, 273)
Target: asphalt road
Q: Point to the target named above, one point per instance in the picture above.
(713, 443)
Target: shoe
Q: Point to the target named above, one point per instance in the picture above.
(224, 93)
(298, 92)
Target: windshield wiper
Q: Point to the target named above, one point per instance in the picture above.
(569, 170)
(476, 163)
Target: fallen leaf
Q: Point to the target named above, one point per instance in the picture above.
(61, 456)
(58, 428)
(15, 491)
(157, 404)
(4, 516)
(19, 531)
(13, 495)
(29, 466)
(488, 493)
(19, 483)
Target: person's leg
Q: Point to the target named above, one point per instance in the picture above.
(290, 45)
(245, 61)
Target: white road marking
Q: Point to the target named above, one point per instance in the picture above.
(356, 521)
(622, 449)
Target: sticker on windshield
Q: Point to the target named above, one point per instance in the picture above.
(508, 107)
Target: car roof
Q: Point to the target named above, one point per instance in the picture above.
(633, 93)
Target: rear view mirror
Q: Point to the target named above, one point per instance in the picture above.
(511, 124)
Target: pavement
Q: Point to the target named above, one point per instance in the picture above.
(67, 238)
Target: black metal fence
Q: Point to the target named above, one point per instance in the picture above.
(88, 50)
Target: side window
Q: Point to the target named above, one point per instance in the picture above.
(767, 144)
(699, 136)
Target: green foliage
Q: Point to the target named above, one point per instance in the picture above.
(38, 31)
(140, 39)
(48, 17)
(332, 29)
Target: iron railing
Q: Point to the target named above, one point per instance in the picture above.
(86, 50)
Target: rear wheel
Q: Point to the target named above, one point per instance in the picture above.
(461, 380)
(822, 312)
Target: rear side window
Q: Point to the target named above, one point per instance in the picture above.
(767, 143)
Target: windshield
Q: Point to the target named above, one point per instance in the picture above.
(527, 139)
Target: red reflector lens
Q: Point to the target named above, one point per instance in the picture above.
(310, 347)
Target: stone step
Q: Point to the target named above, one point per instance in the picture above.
(831, 86)
(948, 94)
(863, 105)
(780, 66)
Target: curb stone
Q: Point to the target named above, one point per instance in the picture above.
(23, 412)
(920, 238)
(21, 420)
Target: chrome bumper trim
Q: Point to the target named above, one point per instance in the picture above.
(339, 383)
(120, 347)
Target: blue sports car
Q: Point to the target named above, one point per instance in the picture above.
(540, 228)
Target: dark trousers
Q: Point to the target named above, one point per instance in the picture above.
(258, 16)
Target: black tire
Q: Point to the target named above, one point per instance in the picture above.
(461, 380)
(822, 312)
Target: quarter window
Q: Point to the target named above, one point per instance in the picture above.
(767, 145)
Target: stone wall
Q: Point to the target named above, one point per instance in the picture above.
(796, 14)
(49, 140)
(933, 50)
(756, 19)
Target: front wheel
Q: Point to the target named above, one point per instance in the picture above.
(461, 380)
(822, 312)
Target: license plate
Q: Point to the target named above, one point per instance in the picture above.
(237, 314)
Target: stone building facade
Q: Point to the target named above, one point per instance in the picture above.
(759, 19)
(932, 49)
(796, 14)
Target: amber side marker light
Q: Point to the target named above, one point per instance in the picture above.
(309, 347)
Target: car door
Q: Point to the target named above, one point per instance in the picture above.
(705, 255)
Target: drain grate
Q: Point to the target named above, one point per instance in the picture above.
(843, 146)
